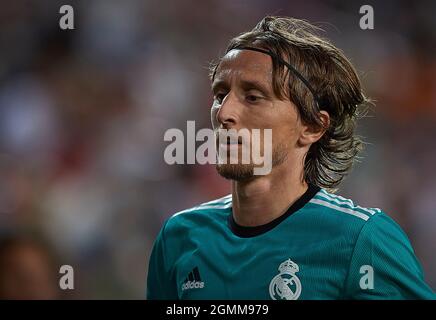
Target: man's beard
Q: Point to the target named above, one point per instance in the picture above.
(238, 172)
(243, 172)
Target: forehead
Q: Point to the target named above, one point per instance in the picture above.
(244, 64)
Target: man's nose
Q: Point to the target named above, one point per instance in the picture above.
(227, 114)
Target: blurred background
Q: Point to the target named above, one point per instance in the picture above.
(83, 113)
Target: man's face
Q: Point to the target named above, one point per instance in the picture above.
(244, 99)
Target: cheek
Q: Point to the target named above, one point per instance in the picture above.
(286, 131)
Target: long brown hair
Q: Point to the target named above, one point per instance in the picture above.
(334, 87)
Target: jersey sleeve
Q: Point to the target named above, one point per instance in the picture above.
(383, 264)
(160, 279)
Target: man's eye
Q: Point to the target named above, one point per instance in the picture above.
(252, 98)
(220, 97)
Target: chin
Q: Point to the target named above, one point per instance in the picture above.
(238, 172)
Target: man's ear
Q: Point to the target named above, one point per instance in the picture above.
(312, 133)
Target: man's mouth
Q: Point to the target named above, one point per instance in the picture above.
(234, 141)
(227, 141)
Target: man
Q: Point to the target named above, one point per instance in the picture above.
(283, 235)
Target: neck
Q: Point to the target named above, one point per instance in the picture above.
(265, 198)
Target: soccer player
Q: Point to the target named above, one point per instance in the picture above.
(286, 235)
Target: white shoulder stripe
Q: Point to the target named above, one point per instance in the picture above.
(347, 202)
(223, 200)
(202, 207)
(335, 207)
(332, 195)
(223, 206)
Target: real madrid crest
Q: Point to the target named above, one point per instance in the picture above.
(286, 285)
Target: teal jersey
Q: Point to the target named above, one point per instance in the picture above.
(323, 247)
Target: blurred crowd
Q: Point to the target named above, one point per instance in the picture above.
(83, 113)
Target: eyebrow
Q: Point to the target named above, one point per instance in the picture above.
(245, 84)
(218, 84)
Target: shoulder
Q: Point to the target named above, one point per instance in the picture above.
(201, 214)
(342, 208)
(364, 222)
(345, 215)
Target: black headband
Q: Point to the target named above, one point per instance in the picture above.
(290, 67)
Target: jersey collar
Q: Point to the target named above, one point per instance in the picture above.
(248, 232)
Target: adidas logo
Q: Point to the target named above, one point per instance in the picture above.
(193, 280)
